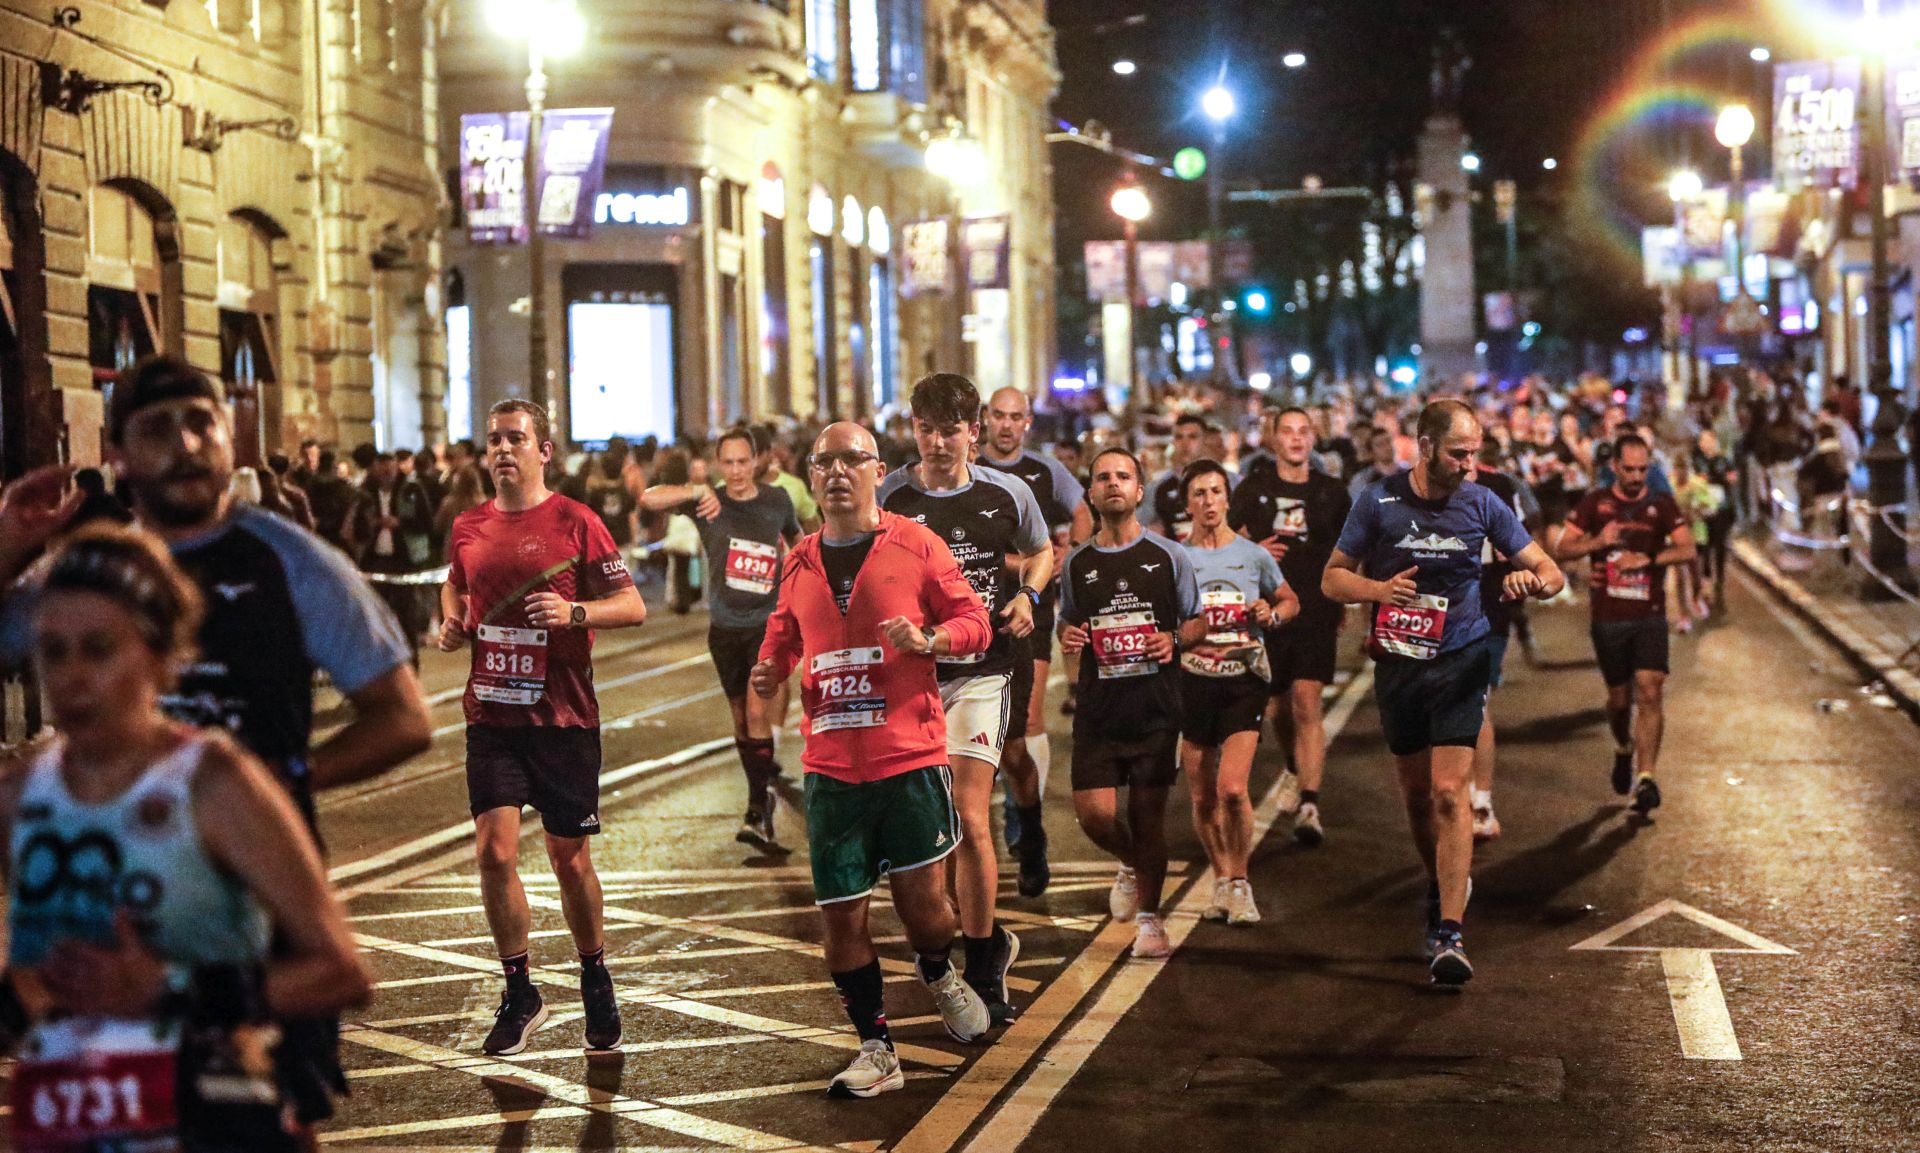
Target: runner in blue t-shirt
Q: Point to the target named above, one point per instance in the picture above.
(1412, 549)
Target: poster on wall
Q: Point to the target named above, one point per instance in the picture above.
(620, 368)
(1816, 127)
(923, 247)
(573, 161)
(1903, 119)
(987, 242)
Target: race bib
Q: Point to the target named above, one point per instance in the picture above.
(1411, 630)
(1628, 584)
(509, 665)
(1290, 518)
(845, 693)
(1119, 642)
(85, 1082)
(751, 566)
(1227, 616)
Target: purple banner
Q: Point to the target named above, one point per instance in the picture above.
(573, 162)
(1903, 120)
(1816, 129)
(987, 242)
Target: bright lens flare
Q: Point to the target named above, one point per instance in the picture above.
(1217, 103)
(1735, 126)
(1130, 203)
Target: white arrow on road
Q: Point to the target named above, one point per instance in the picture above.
(1693, 985)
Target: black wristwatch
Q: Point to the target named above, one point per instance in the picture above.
(579, 616)
(1032, 594)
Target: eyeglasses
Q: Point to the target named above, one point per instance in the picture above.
(848, 460)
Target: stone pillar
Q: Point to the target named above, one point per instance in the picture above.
(1447, 296)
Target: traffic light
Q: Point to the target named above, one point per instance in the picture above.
(1258, 302)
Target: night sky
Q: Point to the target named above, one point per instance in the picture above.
(1618, 91)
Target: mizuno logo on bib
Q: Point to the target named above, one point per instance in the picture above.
(845, 695)
(1411, 630)
(509, 665)
(1119, 642)
(750, 566)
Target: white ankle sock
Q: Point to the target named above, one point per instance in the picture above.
(1040, 748)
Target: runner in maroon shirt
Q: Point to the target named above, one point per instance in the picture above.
(532, 573)
(1630, 536)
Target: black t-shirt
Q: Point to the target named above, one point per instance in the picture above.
(1122, 596)
(1494, 570)
(1170, 507)
(993, 516)
(1307, 517)
(843, 560)
(743, 555)
(609, 498)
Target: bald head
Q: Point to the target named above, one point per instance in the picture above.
(845, 472)
(1009, 416)
(843, 435)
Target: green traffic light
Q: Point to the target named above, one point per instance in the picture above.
(1189, 164)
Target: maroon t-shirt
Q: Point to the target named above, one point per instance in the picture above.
(1645, 526)
(524, 675)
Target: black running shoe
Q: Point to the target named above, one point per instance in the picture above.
(993, 987)
(1623, 773)
(603, 1012)
(1646, 796)
(520, 1015)
(1449, 968)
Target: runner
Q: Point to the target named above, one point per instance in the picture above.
(1502, 616)
(162, 986)
(280, 603)
(1169, 508)
(1224, 685)
(988, 518)
(1295, 512)
(866, 606)
(744, 527)
(1412, 549)
(1640, 534)
(1123, 595)
(533, 722)
(1063, 501)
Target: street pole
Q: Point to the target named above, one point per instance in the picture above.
(1743, 305)
(537, 389)
(1216, 197)
(1135, 400)
(1886, 463)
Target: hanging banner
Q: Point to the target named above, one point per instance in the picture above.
(573, 162)
(925, 255)
(1703, 225)
(1903, 120)
(987, 242)
(1163, 263)
(1662, 257)
(1816, 128)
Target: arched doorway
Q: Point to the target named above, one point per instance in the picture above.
(25, 389)
(249, 296)
(134, 304)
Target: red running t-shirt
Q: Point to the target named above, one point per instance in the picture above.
(1645, 524)
(523, 675)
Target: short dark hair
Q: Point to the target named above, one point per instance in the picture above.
(1282, 414)
(1627, 440)
(309, 443)
(278, 463)
(1437, 419)
(385, 458)
(542, 426)
(1192, 418)
(1200, 468)
(1093, 465)
(738, 432)
(153, 380)
(945, 398)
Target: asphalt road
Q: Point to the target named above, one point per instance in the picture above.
(1788, 837)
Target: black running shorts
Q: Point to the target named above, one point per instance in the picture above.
(1304, 649)
(1433, 704)
(1628, 647)
(1215, 708)
(1020, 693)
(556, 770)
(735, 652)
(1149, 762)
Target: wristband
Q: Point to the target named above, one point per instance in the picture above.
(927, 635)
(1032, 594)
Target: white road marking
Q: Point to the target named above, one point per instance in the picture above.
(1693, 984)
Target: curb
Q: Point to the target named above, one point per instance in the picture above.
(1864, 654)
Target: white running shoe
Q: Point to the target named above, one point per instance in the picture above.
(1240, 907)
(876, 1070)
(1486, 826)
(961, 1009)
(1306, 826)
(1289, 791)
(1124, 899)
(1150, 937)
(1217, 909)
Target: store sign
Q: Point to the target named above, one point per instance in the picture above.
(669, 209)
(493, 148)
(987, 242)
(1816, 130)
(925, 255)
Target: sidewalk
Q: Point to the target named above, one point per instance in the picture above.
(1825, 592)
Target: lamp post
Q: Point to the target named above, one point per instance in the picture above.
(1733, 130)
(552, 29)
(1218, 104)
(1129, 202)
(1886, 463)
(1683, 188)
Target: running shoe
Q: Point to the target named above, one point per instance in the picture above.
(1449, 968)
(1306, 826)
(1486, 826)
(1150, 937)
(1010, 821)
(756, 829)
(876, 1070)
(961, 1009)
(1241, 909)
(994, 990)
(1216, 909)
(1289, 791)
(1646, 795)
(1123, 901)
(1433, 912)
(1035, 873)
(603, 1011)
(1623, 772)
(519, 1017)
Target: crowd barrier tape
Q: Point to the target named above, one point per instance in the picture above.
(635, 554)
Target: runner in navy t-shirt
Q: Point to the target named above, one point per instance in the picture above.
(1412, 549)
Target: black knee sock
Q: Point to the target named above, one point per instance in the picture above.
(860, 994)
(515, 968)
(756, 759)
(1031, 828)
(982, 952)
(934, 966)
(596, 960)
(1309, 796)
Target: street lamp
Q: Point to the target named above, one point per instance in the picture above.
(1130, 203)
(552, 29)
(1760, 54)
(1733, 130)
(1219, 105)
(1294, 60)
(1683, 188)
(1125, 67)
(1470, 161)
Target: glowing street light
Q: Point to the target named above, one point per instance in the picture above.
(1471, 162)
(1124, 67)
(1130, 203)
(1685, 186)
(1734, 127)
(1760, 54)
(1218, 104)
(1301, 363)
(1294, 60)
(1549, 164)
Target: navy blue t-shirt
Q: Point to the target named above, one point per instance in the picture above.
(1390, 530)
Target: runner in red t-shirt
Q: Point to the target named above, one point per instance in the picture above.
(1631, 536)
(532, 573)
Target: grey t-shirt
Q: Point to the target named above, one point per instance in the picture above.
(743, 556)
